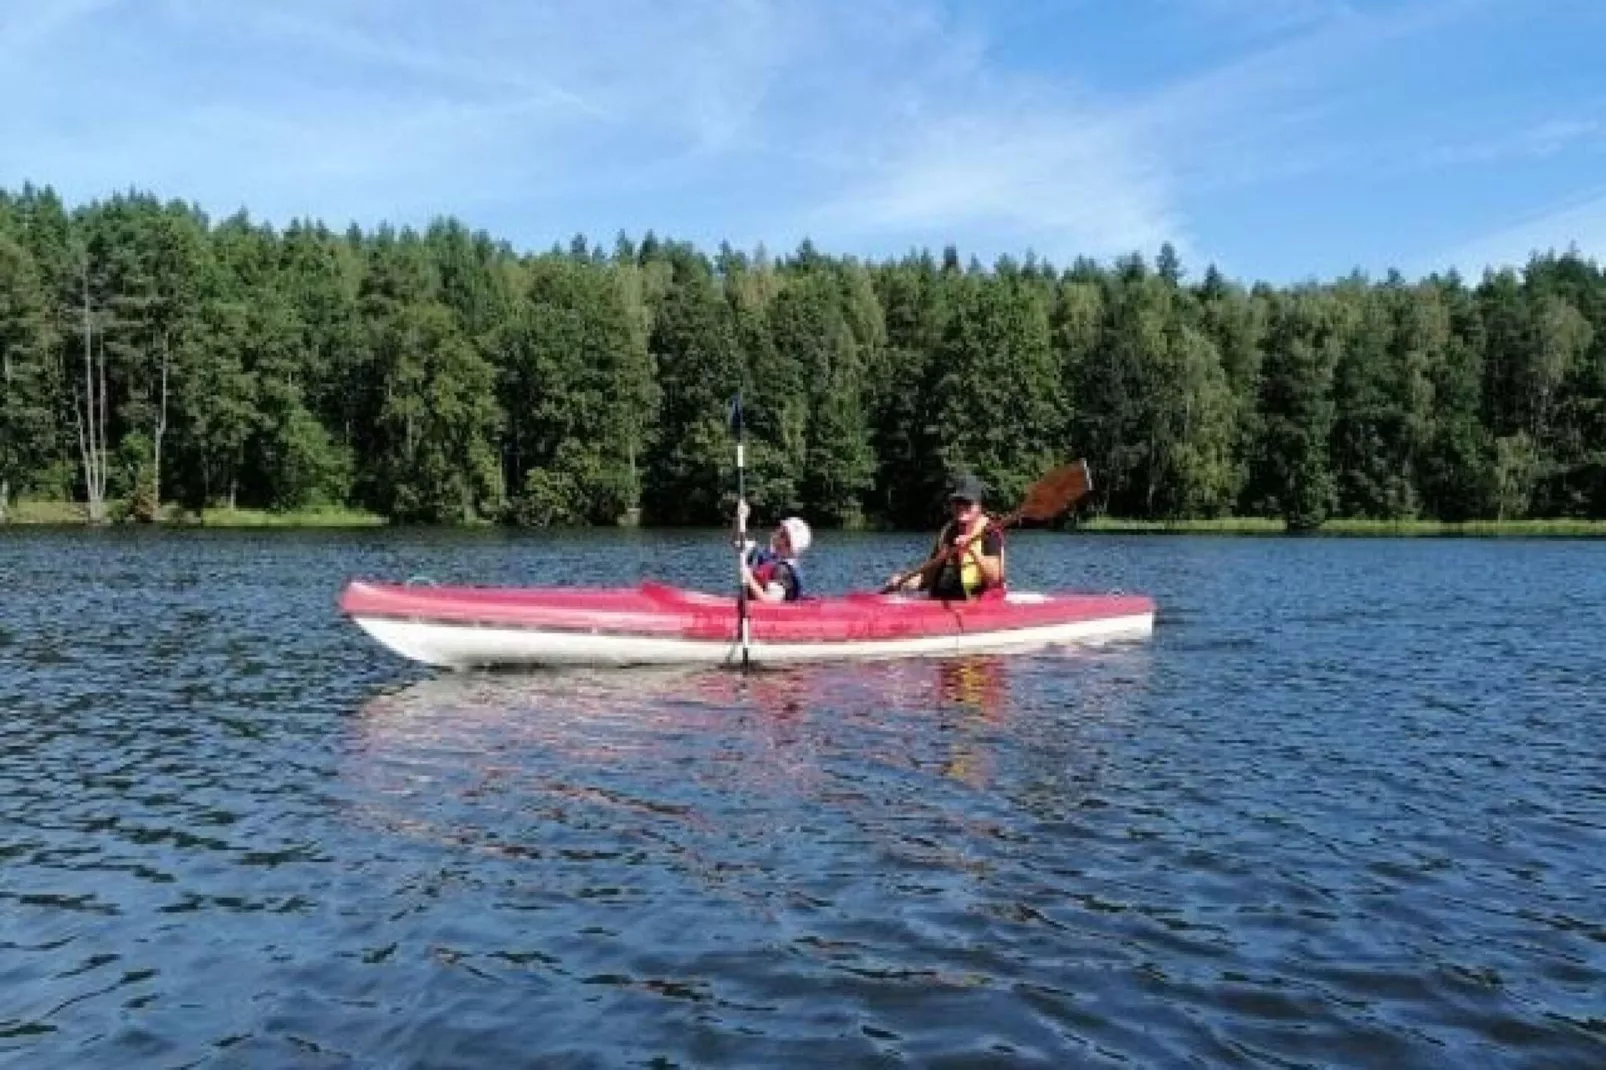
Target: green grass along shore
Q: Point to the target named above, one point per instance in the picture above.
(72, 513)
(1250, 525)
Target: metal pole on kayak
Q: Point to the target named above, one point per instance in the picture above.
(738, 428)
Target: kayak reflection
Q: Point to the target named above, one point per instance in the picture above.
(523, 765)
(773, 721)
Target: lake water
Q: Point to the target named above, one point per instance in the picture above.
(1347, 807)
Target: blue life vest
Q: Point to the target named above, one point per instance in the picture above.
(766, 566)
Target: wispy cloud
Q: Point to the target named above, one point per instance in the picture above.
(25, 26)
(361, 163)
(846, 117)
(869, 125)
(347, 105)
(345, 40)
(1070, 174)
(696, 69)
(1544, 138)
(1259, 107)
(1258, 21)
(1577, 222)
(1064, 181)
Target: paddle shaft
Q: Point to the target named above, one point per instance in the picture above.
(743, 625)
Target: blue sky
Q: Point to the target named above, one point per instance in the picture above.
(1280, 139)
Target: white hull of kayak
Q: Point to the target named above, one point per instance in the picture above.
(461, 646)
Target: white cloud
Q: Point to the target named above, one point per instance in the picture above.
(930, 141)
(360, 163)
(864, 123)
(1248, 111)
(696, 70)
(1105, 177)
(1579, 222)
(31, 23)
(1538, 140)
(346, 105)
(1069, 182)
(1260, 19)
(880, 111)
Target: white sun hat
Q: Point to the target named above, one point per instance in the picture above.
(797, 533)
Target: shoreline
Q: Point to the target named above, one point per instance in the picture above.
(72, 514)
(1354, 528)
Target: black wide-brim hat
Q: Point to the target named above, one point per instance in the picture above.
(968, 488)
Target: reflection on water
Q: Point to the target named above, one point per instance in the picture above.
(772, 731)
(780, 846)
(978, 684)
(608, 715)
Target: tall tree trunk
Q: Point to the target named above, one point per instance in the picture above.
(161, 430)
(633, 510)
(91, 417)
(102, 464)
(1153, 478)
(5, 484)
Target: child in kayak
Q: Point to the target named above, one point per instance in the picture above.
(772, 574)
(978, 566)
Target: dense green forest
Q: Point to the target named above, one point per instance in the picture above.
(153, 358)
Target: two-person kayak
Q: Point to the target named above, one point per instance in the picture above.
(465, 627)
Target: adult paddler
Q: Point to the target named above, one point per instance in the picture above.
(976, 564)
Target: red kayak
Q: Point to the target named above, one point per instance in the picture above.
(461, 627)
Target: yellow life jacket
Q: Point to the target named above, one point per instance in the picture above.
(968, 560)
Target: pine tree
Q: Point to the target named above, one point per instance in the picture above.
(1369, 425)
(1457, 462)
(998, 395)
(818, 360)
(29, 375)
(438, 421)
(1307, 333)
(577, 386)
(693, 344)
(1236, 322)
(904, 426)
(1116, 414)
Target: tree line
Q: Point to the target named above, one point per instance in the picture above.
(150, 356)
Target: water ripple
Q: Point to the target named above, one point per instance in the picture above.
(1344, 809)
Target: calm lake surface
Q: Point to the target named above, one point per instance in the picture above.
(1346, 808)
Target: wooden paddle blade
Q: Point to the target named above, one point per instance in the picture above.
(1056, 492)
